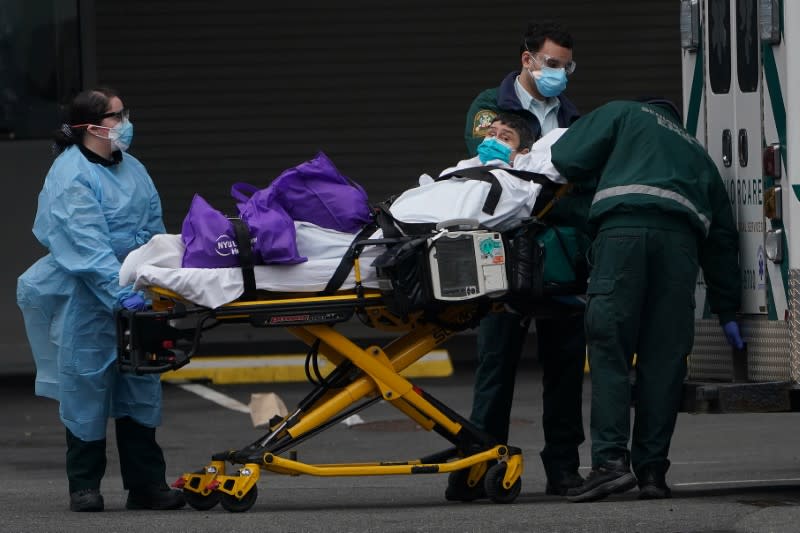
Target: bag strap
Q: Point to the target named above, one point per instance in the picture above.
(242, 191)
(348, 259)
(393, 228)
(246, 262)
(540, 210)
(480, 174)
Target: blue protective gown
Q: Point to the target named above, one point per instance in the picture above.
(90, 216)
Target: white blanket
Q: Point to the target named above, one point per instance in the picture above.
(158, 263)
(459, 198)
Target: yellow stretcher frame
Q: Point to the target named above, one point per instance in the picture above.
(474, 457)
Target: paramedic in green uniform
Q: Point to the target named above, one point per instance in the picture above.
(535, 93)
(660, 209)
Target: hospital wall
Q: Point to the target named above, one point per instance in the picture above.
(232, 91)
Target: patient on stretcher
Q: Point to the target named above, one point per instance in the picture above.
(494, 197)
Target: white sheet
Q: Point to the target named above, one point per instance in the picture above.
(458, 198)
(158, 263)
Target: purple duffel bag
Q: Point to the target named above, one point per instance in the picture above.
(315, 191)
(273, 229)
(208, 237)
(210, 242)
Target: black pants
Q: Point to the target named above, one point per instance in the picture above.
(140, 457)
(562, 353)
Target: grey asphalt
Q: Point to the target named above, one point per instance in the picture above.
(730, 472)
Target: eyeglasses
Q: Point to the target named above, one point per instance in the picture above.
(120, 115)
(553, 62)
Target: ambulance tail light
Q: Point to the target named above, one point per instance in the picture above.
(773, 209)
(771, 161)
(773, 245)
(690, 25)
(769, 21)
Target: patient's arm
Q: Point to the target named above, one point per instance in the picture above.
(538, 159)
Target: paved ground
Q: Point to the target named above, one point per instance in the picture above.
(730, 472)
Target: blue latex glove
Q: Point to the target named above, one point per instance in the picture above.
(733, 334)
(134, 302)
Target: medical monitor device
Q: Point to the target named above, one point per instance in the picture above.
(467, 264)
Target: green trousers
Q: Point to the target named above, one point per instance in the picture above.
(562, 352)
(140, 457)
(641, 300)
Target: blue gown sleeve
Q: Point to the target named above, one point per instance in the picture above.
(155, 221)
(79, 240)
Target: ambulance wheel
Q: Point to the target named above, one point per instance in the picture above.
(199, 502)
(233, 504)
(494, 485)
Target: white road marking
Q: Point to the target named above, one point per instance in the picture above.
(216, 397)
(735, 482)
(696, 463)
(235, 405)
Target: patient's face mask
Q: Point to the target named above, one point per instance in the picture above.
(493, 148)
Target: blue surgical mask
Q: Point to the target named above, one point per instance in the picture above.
(121, 135)
(493, 148)
(550, 81)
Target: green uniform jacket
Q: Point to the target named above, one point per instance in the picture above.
(649, 165)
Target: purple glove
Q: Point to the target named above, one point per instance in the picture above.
(733, 334)
(134, 302)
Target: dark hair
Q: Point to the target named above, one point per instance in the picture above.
(87, 107)
(518, 124)
(538, 32)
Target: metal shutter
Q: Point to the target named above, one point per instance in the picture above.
(241, 90)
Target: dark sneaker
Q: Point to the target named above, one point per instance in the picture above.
(458, 491)
(652, 485)
(609, 478)
(85, 500)
(565, 481)
(156, 498)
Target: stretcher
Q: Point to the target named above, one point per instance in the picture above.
(166, 337)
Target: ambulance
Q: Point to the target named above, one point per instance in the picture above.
(741, 95)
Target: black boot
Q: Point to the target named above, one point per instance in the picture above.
(143, 468)
(159, 498)
(559, 483)
(561, 470)
(86, 465)
(613, 476)
(653, 484)
(86, 500)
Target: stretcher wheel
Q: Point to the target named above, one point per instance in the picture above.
(235, 505)
(494, 485)
(199, 502)
(459, 491)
